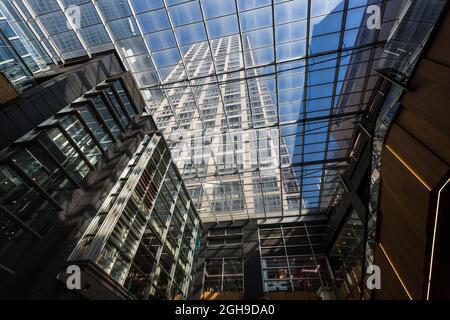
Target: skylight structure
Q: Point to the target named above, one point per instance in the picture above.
(258, 99)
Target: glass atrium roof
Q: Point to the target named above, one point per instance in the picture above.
(258, 99)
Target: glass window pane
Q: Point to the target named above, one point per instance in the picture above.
(291, 50)
(95, 126)
(232, 266)
(222, 27)
(124, 97)
(290, 32)
(290, 11)
(323, 7)
(54, 22)
(123, 28)
(214, 267)
(145, 5)
(106, 115)
(95, 35)
(324, 43)
(256, 19)
(323, 25)
(15, 194)
(185, 13)
(154, 21)
(191, 33)
(63, 151)
(166, 57)
(217, 8)
(251, 4)
(84, 141)
(114, 9)
(116, 105)
(160, 40)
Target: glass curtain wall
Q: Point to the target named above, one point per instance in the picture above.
(292, 258)
(224, 274)
(43, 167)
(144, 234)
(346, 257)
(353, 250)
(21, 52)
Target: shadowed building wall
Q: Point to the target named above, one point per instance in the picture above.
(415, 168)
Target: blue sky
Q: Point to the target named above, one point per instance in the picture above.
(255, 19)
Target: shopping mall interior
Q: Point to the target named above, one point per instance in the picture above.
(224, 149)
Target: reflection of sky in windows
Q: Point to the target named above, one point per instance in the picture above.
(299, 49)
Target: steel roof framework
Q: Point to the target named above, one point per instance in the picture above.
(316, 125)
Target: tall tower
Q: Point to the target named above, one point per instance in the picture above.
(223, 135)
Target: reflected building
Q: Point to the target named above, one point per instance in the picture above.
(360, 51)
(368, 234)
